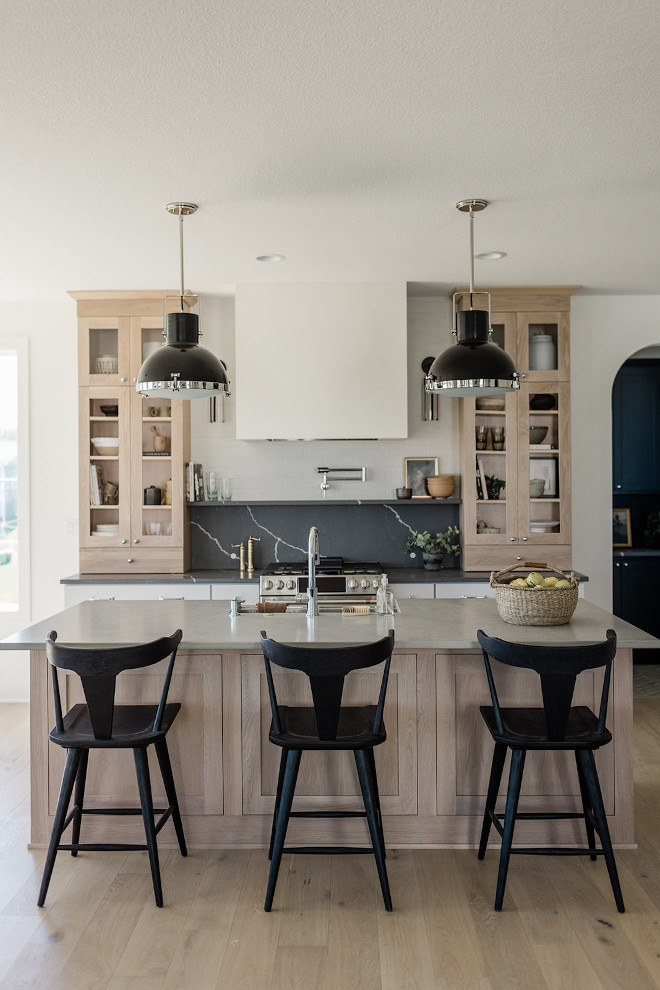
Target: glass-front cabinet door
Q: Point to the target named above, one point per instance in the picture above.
(488, 428)
(544, 470)
(542, 347)
(103, 350)
(157, 507)
(104, 467)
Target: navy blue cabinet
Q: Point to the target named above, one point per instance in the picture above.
(636, 428)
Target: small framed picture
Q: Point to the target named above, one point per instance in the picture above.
(415, 472)
(545, 468)
(621, 532)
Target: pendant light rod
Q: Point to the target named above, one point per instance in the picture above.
(471, 206)
(181, 210)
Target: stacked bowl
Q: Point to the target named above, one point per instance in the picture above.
(440, 485)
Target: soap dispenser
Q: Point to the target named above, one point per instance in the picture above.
(384, 598)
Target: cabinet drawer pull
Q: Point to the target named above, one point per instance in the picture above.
(170, 598)
(100, 598)
(473, 596)
(129, 560)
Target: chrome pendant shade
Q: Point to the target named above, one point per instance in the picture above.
(181, 368)
(472, 366)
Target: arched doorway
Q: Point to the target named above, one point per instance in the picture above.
(636, 494)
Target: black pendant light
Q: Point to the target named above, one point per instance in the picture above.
(472, 366)
(181, 369)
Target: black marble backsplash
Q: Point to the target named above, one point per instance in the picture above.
(356, 531)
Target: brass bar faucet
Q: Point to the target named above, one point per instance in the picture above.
(241, 554)
(250, 552)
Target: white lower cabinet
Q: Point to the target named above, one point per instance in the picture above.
(129, 591)
(464, 589)
(403, 591)
(225, 592)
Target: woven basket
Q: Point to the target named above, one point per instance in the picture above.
(534, 606)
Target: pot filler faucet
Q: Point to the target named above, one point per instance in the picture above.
(313, 554)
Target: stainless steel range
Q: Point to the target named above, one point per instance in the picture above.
(336, 578)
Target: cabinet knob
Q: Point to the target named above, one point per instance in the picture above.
(523, 376)
(617, 564)
(626, 563)
(124, 541)
(130, 560)
(122, 379)
(136, 541)
(618, 486)
(524, 539)
(512, 539)
(135, 379)
(518, 558)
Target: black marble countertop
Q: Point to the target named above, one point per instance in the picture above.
(396, 575)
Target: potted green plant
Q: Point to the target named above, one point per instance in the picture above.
(494, 486)
(434, 546)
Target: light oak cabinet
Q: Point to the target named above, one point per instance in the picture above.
(123, 534)
(517, 526)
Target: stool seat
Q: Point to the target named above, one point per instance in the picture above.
(354, 729)
(132, 725)
(527, 728)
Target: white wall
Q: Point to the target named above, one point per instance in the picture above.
(605, 331)
(53, 377)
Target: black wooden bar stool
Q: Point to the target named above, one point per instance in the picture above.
(327, 726)
(558, 725)
(100, 724)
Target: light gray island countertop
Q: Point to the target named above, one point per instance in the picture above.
(446, 624)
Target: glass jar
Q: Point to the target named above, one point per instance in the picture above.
(542, 352)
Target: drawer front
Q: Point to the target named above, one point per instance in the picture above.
(74, 593)
(496, 558)
(464, 589)
(403, 591)
(225, 592)
(127, 561)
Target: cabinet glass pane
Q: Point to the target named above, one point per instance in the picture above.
(105, 488)
(543, 341)
(103, 351)
(156, 460)
(490, 442)
(544, 467)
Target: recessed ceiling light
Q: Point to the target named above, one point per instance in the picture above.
(491, 255)
(271, 257)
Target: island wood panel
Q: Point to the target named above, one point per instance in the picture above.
(194, 741)
(329, 780)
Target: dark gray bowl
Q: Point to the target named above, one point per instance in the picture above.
(404, 493)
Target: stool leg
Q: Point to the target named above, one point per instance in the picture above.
(371, 760)
(79, 799)
(586, 805)
(588, 764)
(496, 768)
(146, 803)
(512, 796)
(283, 812)
(168, 779)
(366, 785)
(68, 778)
(278, 798)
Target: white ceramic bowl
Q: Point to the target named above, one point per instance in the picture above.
(106, 445)
(543, 527)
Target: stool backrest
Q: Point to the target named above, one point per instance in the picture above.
(98, 667)
(558, 668)
(326, 668)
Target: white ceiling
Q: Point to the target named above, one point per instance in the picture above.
(340, 135)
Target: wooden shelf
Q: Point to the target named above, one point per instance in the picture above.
(156, 419)
(148, 507)
(104, 419)
(105, 507)
(104, 457)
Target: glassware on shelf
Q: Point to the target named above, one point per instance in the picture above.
(498, 437)
(211, 486)
(481, 437)
(225, 489)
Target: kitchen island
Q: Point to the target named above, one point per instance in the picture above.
(433, 769)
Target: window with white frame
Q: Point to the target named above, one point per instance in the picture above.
(14, 501)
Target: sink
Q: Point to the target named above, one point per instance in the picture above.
(325, 608)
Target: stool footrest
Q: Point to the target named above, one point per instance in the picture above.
(556, 851)
(119, 811)
(327, 814)
(103, 846)
(330, 850)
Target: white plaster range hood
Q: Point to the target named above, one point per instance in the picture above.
(321, 360)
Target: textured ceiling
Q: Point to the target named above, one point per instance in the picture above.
(338, 135)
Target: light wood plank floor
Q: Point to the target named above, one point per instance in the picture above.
(100, 929)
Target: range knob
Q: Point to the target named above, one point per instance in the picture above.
(279, 585)
(268, 584)
(290, 584)
(364, 583)
(352, 583)
(374, 584)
